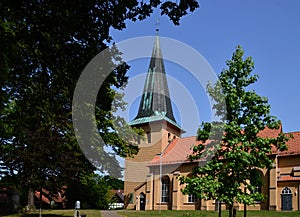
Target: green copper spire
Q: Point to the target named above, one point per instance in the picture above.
(155, 100)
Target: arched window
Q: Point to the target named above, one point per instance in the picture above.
(165, 189)
(286, 199)
(192, 198)
(286, 190)
(256, 189)
(169, 137)
(256, 180)
(148, 137)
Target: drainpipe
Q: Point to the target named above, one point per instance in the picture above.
(153, 187)
(160, 172)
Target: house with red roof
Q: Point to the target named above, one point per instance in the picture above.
(51, 199)
(151, 176)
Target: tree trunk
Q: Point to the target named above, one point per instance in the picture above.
(230, 210)
(30, 199)
(126, 200)
(245, 205)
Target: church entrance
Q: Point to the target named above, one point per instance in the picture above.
(142, 201)
(286, 199)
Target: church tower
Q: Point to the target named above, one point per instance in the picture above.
(155, 116)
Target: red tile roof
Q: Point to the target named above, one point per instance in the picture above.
(6, 192)
(44, 199)
(119, 194)
(270, 133)
(47, 196)
(288, 178)
(178, 150)
(293, 145)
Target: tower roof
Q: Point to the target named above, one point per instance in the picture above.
(155, 102)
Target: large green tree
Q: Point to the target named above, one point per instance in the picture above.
(44, 46)
(93, 191)
(231, 149)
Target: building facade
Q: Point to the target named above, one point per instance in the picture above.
(151, 176)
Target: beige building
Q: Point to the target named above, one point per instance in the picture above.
(151, 176)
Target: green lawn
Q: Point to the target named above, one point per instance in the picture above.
(206, 214)
(59, 213)
(169, 213)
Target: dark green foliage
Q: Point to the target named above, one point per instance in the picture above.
(234, 151)
(93, 191)
(44, 46)
(114, 183)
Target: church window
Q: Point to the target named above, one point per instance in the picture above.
(149, 137)
(256, 189)
(169, 137)
(286, 190)
(131, 198)
(165, 190)
(192, 198)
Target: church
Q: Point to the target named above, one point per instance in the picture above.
(151, 176)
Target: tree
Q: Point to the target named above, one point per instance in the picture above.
(231, 145)
(114, 183)
(44, 47)
(93, 191)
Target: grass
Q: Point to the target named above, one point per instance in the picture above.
(206, 214)
(167, 213)
(59, 213)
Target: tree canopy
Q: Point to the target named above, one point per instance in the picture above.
(45, 45)
(93, 191)
(231, 147)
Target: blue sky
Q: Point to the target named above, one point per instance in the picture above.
(268, 30)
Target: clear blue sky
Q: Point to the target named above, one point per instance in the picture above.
(268, 30)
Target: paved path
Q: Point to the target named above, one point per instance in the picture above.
(109, 213)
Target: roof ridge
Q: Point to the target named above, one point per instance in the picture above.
(292, 132)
